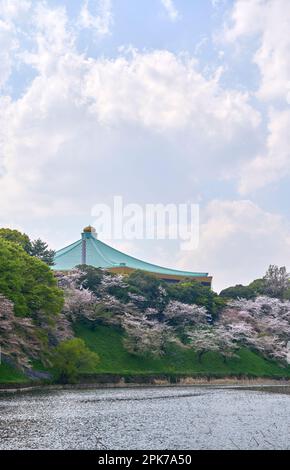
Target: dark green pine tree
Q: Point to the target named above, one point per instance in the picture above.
(40, 250)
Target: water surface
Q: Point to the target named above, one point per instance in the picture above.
(150, 418)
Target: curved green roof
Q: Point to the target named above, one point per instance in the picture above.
(100, 255)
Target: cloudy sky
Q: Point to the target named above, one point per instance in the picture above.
(159, 101)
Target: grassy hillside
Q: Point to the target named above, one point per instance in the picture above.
(9, 375)
(107, 342)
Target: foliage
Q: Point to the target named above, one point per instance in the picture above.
(145, 337)
(28, 283)
(90, 278)
(37, 248)
(115, 286)
(178, 314)
(20, 341)
(217, 339)
(203, 340)
(155, 318)
(40, 250)
(239, 292)
(276, 281)
(275, 284)
(108, 342)
(150, 288)
(262, 324)
(192, 292)
(149, 329)
(71, 358)
(16, 237)
(9, 374)
(79, 302)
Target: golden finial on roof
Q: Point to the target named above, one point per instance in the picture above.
(89, 229)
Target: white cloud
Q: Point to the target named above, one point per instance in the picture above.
(100, 20)
(73, 109)
(238, 240)
(10, 10)
(263, 25)
(162, 91)
(52, 38)
(274, 164)
(171, 10)
(269, 20)
(145, 125)
(8, 44)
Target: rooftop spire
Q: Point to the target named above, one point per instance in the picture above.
(89, 229)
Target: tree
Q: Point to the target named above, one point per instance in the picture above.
(16, 237)
(37, 248)
(28, 283)
(183, 315)
(114, 285)
(238, 292)
(203, 340)
(71, 358)
(215, 339)
(148, 286)
(20, 340)
(276, 281)
(262, 324)
(90, 278)
(145, 337)
(192, 292)
(40, 250)
(227, 342)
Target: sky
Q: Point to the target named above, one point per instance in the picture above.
(157, 101)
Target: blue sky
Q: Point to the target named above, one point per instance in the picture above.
(159, 101)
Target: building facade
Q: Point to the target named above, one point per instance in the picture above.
(91, 251)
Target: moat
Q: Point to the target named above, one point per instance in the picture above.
(147, 418)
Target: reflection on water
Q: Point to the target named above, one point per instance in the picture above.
(151, 418)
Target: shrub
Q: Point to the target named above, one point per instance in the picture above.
(71, 358)
(28, 282)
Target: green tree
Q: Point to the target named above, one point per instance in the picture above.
(192, 292)
(238, 292)
(251, 291)
(90, 278)
(36, 248)
(71, 358)
(16, 237)
(28, 283)
(40, 250)
(152, 289)
(275, 284)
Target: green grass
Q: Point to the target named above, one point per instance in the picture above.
(107, 342)
(114, 359)
(9, 375)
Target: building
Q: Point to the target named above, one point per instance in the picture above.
(91, 251)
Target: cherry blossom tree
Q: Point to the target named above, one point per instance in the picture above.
(276, 281)
(69, 279)
(203, 340)
(144, 336)
(262, 324)
(110, 281)
(79, 302)
(182, 315)
(20, 341)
